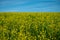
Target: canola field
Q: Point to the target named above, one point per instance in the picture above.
(29, 25)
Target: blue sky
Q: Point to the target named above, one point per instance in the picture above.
(29, 5)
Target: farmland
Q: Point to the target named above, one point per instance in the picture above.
(29, 25)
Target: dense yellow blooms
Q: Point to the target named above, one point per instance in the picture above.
(30, 26)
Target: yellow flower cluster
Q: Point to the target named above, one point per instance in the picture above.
(30, 26)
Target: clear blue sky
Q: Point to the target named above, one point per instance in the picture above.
(29, 5)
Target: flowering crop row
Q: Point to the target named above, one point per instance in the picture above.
(29, 26)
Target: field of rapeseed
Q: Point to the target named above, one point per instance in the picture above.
(29, 26)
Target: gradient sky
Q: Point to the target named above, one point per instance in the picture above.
(29, 5)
